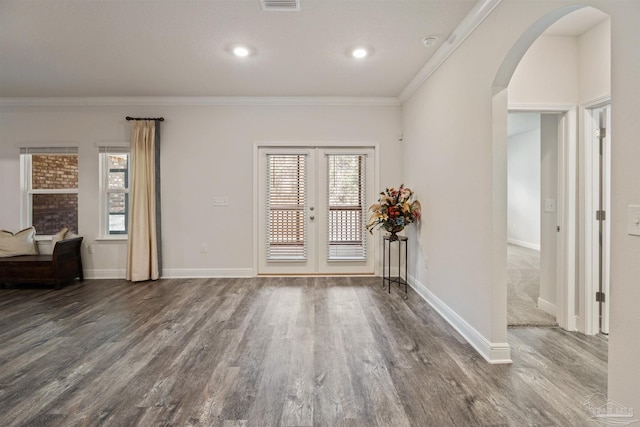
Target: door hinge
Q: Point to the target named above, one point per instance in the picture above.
(600, 296)
(601, 133)
(600, 215)
(558, 228)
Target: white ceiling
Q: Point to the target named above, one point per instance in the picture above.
(83, 48)
(181, 48)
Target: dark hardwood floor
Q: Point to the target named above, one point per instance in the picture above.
(273, 351)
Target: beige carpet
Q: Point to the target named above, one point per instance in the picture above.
(523, 271)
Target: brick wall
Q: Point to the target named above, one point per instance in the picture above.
(117, 181)
(51, 212)
(54, 171)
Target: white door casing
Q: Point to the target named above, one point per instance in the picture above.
(597, 180)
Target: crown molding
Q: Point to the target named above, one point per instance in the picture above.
(480, 11)
(199, 100)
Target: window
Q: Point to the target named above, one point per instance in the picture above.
(114, 191)
(49, 189)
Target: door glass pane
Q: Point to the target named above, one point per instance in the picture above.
(346, 196)
(286, 202)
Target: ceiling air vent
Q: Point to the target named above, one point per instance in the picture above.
(280, 5)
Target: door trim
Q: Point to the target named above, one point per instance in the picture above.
(567, 194)
(589, 324)
(258, 145)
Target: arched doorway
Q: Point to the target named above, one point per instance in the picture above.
(571, 306)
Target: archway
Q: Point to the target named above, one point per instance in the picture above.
(569, 182)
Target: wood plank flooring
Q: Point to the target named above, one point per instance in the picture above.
(273, 352)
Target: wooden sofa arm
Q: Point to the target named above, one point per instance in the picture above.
(67, 260)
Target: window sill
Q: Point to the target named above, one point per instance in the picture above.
(112, 239)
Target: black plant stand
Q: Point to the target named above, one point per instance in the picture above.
(386, 262)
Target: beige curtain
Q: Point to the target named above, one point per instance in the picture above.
(143, 255)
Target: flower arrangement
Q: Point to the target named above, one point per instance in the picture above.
(394, 210)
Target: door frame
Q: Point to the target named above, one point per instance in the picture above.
(566, 207)
(258, 145)
(590, 322)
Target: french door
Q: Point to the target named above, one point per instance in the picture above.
(312, 210)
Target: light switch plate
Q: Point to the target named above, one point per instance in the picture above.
(549, 205)
(633, 220)
(220, 201)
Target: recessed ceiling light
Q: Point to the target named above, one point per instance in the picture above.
(359, 52)
(240, 51)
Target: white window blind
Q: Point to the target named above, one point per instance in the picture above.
(286, 204)
(346, 207)
(48, 150)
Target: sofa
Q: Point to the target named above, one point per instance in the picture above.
(62, 266)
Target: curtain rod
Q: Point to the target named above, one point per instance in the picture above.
(160, 119)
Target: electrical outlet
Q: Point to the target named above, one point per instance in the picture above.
(204, 248)
(91, 249)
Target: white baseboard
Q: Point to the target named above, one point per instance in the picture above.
(546, 306)
(534, 246)
(579, 325)
(105, 274)
(494, 353)
(185, 273)
(175, 273)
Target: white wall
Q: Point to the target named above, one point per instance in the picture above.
(547, 74)
(523, 187)
(594, 63)
(450, 153)
(448, 158)
(624, 342)
(207, 151)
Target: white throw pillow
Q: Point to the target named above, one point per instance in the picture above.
(60, 235)
(21, 243)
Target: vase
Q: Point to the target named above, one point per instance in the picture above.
(394, 230)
